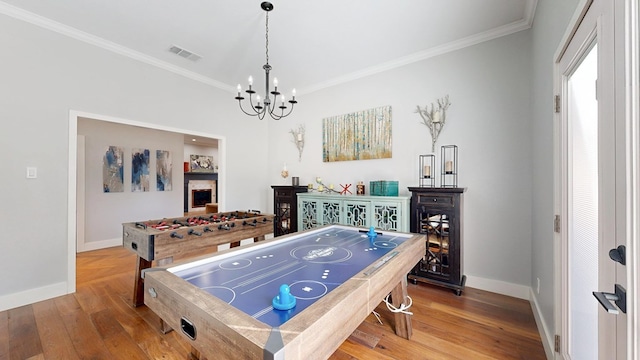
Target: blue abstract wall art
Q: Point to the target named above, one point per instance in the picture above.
(139, 170)
(164, 166)
(112, 170)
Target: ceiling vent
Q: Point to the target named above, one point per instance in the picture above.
(184, 53)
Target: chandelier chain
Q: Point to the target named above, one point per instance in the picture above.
(266, 35)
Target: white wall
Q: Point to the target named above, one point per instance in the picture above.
(551, 21)
(489, 120)
(44, 76)
(107, 211)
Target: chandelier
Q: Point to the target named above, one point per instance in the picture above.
(260, 107)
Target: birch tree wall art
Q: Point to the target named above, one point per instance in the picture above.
(360, 135)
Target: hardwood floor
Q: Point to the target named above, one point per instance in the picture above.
(98, 322)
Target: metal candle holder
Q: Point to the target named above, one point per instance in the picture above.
(427, 170)
(449, 166)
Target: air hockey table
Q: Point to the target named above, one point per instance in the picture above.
(338, 275)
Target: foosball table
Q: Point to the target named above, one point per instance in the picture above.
(165, 239)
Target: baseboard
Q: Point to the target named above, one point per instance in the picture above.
(96, 245)
(31, 296)
(546, 335)
(500, 287)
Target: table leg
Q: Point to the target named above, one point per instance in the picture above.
(194, 354)
(138, 283)
(403, 321)
(258, 238)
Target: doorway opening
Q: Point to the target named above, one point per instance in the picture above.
(76, 190)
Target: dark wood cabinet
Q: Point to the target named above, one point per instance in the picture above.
(437, 213)
(285, 208)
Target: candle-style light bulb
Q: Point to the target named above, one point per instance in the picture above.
(250, 80)
(275, 82)
(258, 98)
(282, 98)
(239, 89)
(293, 92)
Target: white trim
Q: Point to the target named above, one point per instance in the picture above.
(80, 194)
(530, 11)
(560, 205)
(499, 287)
(31, 296)
(72, 205)
(547, 337)
(516, 26)
(581, 10)
(632, 148)
(96, 245)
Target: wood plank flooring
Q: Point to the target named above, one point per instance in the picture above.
(98, 322)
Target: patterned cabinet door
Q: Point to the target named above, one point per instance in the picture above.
(357, 213)
(308, 214)
(331, 212)
(386, 216)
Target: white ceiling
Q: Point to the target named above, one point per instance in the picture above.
(312, 44)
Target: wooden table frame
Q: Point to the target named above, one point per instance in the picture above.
(156, 245)
(222, 331)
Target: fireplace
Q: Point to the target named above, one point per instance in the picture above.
(201, 197)
(199, 193)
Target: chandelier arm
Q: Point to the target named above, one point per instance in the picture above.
(244, 111)
(276, 116)
(254, 107)
(272, 113)
(287, 114)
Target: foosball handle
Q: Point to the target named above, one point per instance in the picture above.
(141, 225)
(176, 222)
(206, 229)
(254, 223)
(176, 235)
(193, 232)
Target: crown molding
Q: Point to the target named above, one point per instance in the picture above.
(74, 33)
(517, 26)
(525, 23)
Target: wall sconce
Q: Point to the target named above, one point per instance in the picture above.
(298, 139)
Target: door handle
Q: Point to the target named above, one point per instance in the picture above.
(618, 254)
(619, 297)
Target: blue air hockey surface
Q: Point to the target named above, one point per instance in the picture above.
(312, 264)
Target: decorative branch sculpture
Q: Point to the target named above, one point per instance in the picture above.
(298, 140)
(434, 118)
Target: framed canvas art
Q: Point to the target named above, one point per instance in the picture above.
(202, 163)
(164, 171)
(112, 170)
(360, 135)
